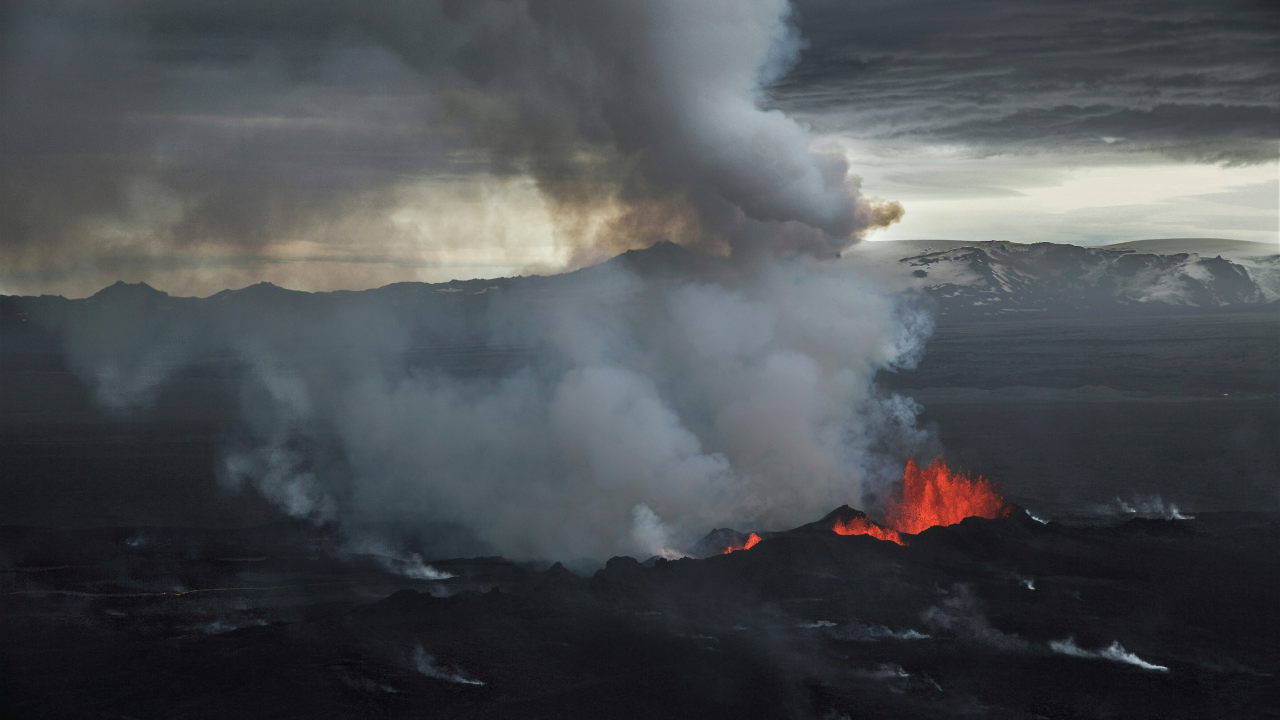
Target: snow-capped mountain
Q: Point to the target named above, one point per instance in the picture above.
(993, 278)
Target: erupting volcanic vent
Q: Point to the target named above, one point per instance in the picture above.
(930, 497)
(933, 496)
(936, 496)
(752, 539)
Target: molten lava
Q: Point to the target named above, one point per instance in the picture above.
(929, 497)
(864, 526)
(935, 496)
(751, 542)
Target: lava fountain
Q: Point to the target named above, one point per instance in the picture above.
(932, 496)
(936, 496)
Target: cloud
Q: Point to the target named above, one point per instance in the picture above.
(1169, 124)
(1190, 81)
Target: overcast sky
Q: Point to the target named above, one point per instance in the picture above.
(1065, 121)
(348, 145)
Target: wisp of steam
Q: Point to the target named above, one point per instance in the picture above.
(1115, 652)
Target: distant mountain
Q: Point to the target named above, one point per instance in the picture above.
(968, 280)
(125, 292)
(986, 279)
(1200, 246)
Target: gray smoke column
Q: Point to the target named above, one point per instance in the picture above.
(664, 98)
(644, 414)
(148, 136)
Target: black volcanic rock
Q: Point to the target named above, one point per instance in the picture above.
(123, 292)
(844, 514)
(660, 260)
(807, 624)
(618, 581)
(558, 580)
(1157, 527)
(667, 261)
(716, 541)
(559, 572)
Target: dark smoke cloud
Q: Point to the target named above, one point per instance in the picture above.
(126, 136)
(156, 128)
(1193, 81)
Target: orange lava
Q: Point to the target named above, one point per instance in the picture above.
(863, 526)
(935, 496)
(752, 540)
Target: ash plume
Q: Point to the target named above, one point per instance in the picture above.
(656, 107)
(647, 408)
(638, 122)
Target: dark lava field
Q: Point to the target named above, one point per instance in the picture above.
(1007, 618)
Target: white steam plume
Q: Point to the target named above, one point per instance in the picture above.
(645, 414)
(1114, 652)
(1147, 507)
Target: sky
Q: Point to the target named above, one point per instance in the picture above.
(328, 145)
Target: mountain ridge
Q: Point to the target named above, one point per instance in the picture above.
(968, 280)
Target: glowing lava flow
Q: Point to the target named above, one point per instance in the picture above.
(752, 539)
(935, 496)
(864, 526)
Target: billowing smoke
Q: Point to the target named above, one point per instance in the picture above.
(646, 407)
(328, 138)
(654, 107)
(644, 414)
(631, 412)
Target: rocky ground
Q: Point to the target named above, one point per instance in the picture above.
(1008, 618)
